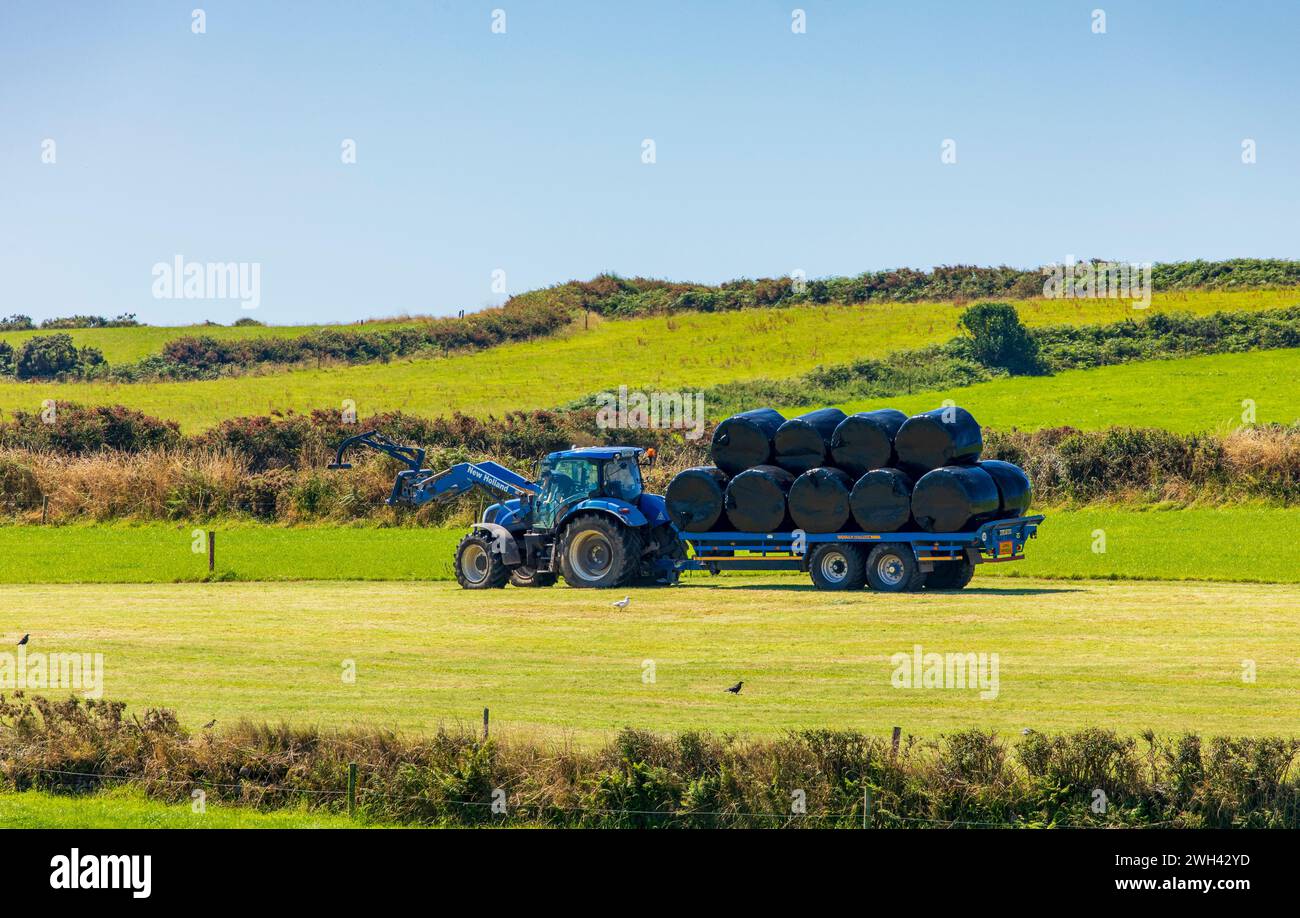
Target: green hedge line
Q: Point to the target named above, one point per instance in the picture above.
(806, 779)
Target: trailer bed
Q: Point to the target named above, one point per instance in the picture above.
(995, 542)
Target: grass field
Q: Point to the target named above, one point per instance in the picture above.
(565, 663)
(1197, 543)
(1191, 394)
(130, 808)
(687, 351)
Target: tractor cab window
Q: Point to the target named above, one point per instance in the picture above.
(622, 480)
(568, 478)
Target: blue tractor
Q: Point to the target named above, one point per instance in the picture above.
(586, 518)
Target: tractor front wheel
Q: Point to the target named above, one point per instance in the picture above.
(476, 567)
(599, 552)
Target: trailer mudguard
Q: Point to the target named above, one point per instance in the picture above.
(503, 541)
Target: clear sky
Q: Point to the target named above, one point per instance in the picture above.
(523, 151)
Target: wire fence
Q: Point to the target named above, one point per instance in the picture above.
(867, 815)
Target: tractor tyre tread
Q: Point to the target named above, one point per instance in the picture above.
(626, 541)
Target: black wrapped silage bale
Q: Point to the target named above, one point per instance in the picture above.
(865, 441)
(881, 500)
(1015, 493)
(803, 443)
(954, 498)
(744, 440)
(933, 439)
(819, 500)
(756, 499)
(694, 498)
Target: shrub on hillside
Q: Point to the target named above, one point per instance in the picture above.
(77, 429)
(45, 356)
(16, 323)
(995, 337)
(126, 320)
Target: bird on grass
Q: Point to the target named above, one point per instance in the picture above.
(622, 603)
(210, 724)
(735, 689)
(24, 640)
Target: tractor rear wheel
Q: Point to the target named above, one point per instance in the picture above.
(599, 552)
(892, 568)
(950, 575)
(476, 567)
(837, 567)
(523, 576)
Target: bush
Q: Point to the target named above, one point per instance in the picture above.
(997, 338)
(45, 356)
(126, 320)
(71, 428)
(16, 323)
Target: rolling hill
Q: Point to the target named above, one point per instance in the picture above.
(685, 351)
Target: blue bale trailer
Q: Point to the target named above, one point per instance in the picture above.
(891, 562)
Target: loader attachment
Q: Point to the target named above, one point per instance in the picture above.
(410, 456)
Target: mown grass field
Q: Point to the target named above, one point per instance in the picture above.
(1165, 656)
(1191, 394)
(682, 352)
(130, 808)
(1259, 544)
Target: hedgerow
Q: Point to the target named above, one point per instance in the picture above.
(803, 779)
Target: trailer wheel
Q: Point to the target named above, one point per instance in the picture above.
(837, 567)
(892, 568)
(950, 575)
(598, 552)
(476, 567)
(523, 576)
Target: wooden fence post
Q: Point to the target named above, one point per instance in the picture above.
(212, 551)
(485, 724)
(45, 507)
(352, 790)
(898, 731)
(866, 807)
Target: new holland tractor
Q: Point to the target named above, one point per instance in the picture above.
(585, 518)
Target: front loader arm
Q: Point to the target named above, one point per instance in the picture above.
(416, 488)
(417, 485)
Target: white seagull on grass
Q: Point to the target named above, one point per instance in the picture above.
(622, 603)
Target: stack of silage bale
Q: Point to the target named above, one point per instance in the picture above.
(824, 471)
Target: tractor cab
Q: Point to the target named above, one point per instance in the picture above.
(569, 477)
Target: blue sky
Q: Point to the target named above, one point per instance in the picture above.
(523, 151)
